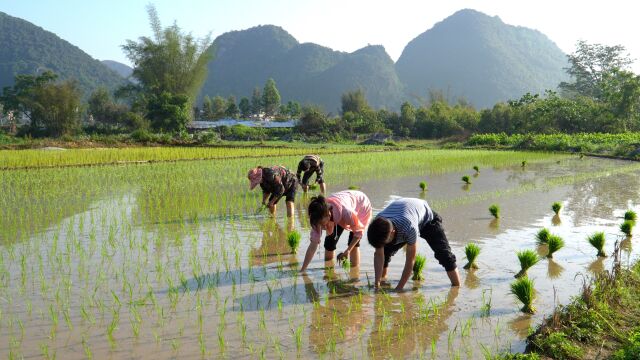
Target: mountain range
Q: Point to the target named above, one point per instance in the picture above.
(468, 55)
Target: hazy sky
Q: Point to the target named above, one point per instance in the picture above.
(99, 27)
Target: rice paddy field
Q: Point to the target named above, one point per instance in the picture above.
(173, 259)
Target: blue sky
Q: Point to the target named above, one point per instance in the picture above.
(100, 27)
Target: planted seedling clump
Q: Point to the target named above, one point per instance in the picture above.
(293, 239)
(597, 240)
(472, 251)
(476, 168)
(527, 259)
(423, 185)
(542, 237)
(555, 243)
(525, 293)
(354, 187)
(556, 207)
(313, 187)
(627, 227)
(524, 163)
(466, 179)
(630, 215)
(494, 209)
(418, 266)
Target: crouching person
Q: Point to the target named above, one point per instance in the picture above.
(400, 224)
(308, 165)
(345, 210)
(275, 182)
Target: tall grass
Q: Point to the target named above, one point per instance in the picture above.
(418, 267)
(523, 290)
(527, 259)
(542, 237)
(494, 209)
(597, 240)
(555, 243)
(471, 251)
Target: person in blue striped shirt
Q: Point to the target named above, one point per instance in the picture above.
(400, 224)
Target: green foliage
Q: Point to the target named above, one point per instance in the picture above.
(631, 349)
(627, 227)
(293, 239)
(245, 108)
(494, 209)
(231, 110)
(270, 98)
(542, 237)
(472, 251)
(170, 70)
(556, 206)
(557, 346)
(105, 110)
(527, 259)
(555, 243)
(418, 266)
(354, 187)
(476, 168)
(466, 179)
(423, 185)
(597, 240)
(517, 356)
(523, 290)
(29, 49)
(630, 215)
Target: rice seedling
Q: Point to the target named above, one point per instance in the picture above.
(597, 240)
(523, 290)
(524, 163)
(630, 215)
(466, 179)
(627, 227)
(418, 267)
(476, 168)
(527, 259)
(423, 185)
(542, 237)
(354, 187)
(494, 209)
(346, 264)
(556, 206)
(313, 187)
(293, 239)
(555, 243)
(471, 251)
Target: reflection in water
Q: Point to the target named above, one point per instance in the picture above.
(626, 245)
(342, 318)
(555, 220)
(466, 187)
(554, 270)
(273, 246)
(521, 325)
(471, 281)
(597, 266)
(406, 325)
(494, 224)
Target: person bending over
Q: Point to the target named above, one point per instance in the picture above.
(311, 164)
(400, 224)
(276, 182)
(345, 210)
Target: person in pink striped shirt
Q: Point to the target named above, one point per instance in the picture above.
(345, 210)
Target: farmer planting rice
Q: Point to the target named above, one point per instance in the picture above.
(400, 224)
(276, 182)
(345, 210)
(311, 164)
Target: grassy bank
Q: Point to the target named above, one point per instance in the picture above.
(603, 322)
(620, 145)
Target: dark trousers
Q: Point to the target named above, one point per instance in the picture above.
(433, 233)
(331, 241)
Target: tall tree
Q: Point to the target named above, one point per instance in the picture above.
(169, 68)
(256, 101)
(244, 107)
(590, 64)
(207, 108)
(104, 109)
(270, 98)
(232, 109)
(354, 101)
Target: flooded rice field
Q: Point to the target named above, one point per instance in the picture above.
(172, 260)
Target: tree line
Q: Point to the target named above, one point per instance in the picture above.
(170, 68)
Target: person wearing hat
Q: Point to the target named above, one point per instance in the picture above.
(276, 182)
(311, 164)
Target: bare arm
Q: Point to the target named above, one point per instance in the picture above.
(408, 266)
(265, 196)
(355, 242)
(311, 251)
(378, 265)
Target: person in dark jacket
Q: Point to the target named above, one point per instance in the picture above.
(276, 182)
(308, 165)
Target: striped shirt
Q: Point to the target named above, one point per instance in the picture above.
(407, 216)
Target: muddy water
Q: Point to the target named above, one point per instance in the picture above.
(101, 284)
